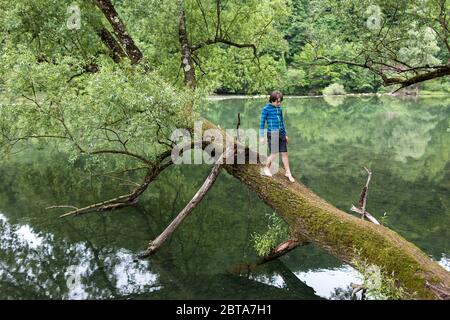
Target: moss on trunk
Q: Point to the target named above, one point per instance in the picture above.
(343, 235)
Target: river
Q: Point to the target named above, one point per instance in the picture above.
(404, 142)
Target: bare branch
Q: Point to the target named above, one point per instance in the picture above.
(170, 145)
(118, 139)
(139, 157)
(206, 186)
(369, 217)
(435, 72)
(218, 31)
(128, 199)
(198, 63)
(202, 10)
(233, 21)
(364, 193)
(62, 206)
(225, 41)
(363, 201)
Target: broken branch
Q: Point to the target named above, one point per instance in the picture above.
(207, 184)
(363, 196)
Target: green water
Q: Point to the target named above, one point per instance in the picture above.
(406, 143)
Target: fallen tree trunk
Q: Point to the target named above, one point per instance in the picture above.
(344, 236)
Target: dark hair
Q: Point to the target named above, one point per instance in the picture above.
(275, 95)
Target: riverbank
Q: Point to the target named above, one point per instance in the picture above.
(241, 96)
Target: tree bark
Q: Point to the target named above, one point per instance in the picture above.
(132, 51)
(438, 73)
(342, 235)
(116, 50)
(186, 51)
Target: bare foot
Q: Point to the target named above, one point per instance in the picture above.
(290, 177)
(266, 172)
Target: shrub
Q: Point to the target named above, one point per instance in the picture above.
(277, 231)
(334, 89)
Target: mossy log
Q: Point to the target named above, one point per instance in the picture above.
(344, 236)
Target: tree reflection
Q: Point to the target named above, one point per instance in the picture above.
(406, 145)
(34, 266)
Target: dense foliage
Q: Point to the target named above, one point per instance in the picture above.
(291, 38)
(61, 85)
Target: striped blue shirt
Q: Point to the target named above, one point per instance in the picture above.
(274, 118)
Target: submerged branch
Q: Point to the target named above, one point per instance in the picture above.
(282, 249)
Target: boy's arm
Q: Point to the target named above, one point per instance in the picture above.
(262, 122)
(282, 122)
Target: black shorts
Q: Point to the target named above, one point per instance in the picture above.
(282, 143)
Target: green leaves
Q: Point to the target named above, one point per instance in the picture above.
(118, 108)
(391, 38)
(277, 232)
(219, 67)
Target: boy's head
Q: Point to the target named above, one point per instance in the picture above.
(276, 97)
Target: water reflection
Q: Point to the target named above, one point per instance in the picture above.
(406, 144)
(33, 265)
(334, 101)
(327, 281)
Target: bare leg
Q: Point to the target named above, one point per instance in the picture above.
(285, 159)
(268, 164)
(270, 159)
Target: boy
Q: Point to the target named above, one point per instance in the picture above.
(273, 115)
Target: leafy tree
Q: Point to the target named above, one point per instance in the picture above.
(232, 46)
(384, 38)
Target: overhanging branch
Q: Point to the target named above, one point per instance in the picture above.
(422, 73)
(125, 200)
